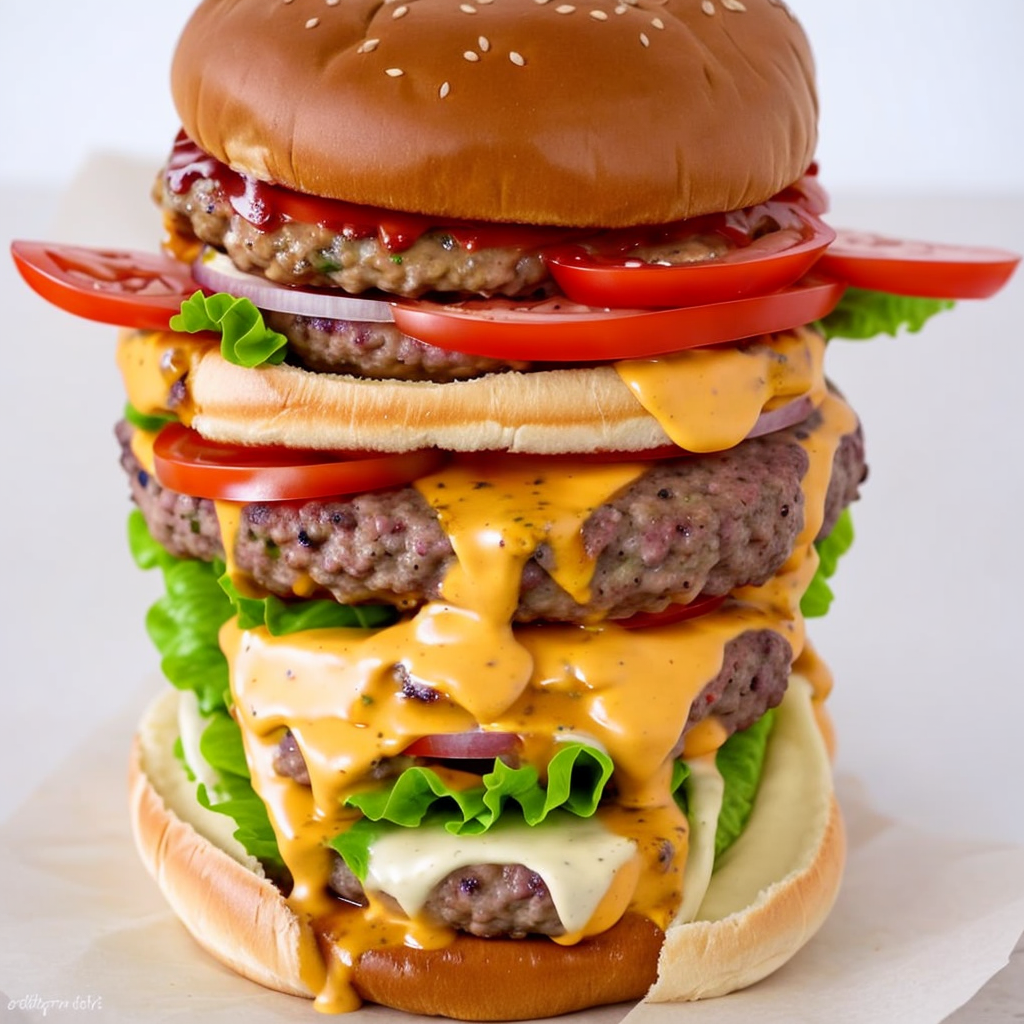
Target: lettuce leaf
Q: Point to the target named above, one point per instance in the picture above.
(185, 622)
(576, 778)
(281, 618)
(818, 597)
(739, 761)
(245, 338)
(863, 314)
(150, 423)
(233, 795)
(184, 626)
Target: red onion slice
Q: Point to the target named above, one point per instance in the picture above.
(788, 415)
(215, 272)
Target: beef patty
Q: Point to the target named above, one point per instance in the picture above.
(697, 525)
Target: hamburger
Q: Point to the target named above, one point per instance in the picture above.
(478, 423)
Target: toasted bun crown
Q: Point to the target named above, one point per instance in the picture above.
(588, 113)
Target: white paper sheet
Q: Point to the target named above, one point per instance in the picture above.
(922, 923)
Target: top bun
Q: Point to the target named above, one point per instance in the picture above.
(589, 113)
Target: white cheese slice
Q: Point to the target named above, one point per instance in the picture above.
(705, 790)
(576, 857)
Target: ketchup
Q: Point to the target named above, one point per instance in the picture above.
(268, 207)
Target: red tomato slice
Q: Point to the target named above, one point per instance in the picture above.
(559, 331)
(673, 613)
(186, 462)
(608, 272)
(922, 269)
(132, 289)
(808, 191)
(478, 744)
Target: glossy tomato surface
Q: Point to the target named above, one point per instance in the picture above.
(673, 613)
(559, 331)
(186, 462)
(921, 269)
(768, 247)
(131, 289)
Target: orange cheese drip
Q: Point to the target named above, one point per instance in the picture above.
(709, 399)
(151, 363)
(340, 692)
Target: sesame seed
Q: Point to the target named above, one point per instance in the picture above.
(517, 58)
(467, 8)
(599, 15)
(484, 43)
(400, 12)
(368, 46)
(332, 3)
(644, 41)
(312, 23)
(621, 9)
(394, 72)
(734, 5)
(444, 90)
(657, 23)
(565, 9)
(541, 2)
(471, 55)
(707, 7)
(485, 1)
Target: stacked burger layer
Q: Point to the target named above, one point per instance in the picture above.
(478, 422)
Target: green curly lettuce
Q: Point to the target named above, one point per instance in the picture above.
(818, 597)
(863, 314)
(281, 618)
(576, 778)
(150, 423)
(185, 622)
(245, 338)
(183, 625)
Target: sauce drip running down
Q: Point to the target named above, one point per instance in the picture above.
(341, 693)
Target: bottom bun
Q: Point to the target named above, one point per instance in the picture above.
(770, 892)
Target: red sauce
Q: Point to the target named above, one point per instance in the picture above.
(268, 207)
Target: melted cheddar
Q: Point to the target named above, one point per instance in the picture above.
(152, 363)
(708, 399)
(343, 694)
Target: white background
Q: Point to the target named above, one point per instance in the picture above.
(922, 114)
(922, 111)
(917, 95)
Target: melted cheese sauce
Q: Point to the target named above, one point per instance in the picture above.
(344, 695)
(709, 399)
(152, 363)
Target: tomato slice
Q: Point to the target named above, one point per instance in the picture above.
(808, 191)
(186, 462)
(478, 744)
(558, 331)
(132, 289)
(921, 269)
(673, 613)
(769, 246)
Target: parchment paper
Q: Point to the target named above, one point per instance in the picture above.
(922, 923)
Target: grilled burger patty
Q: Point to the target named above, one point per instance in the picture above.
(697, 525)
(307, 254)
(377, 350)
